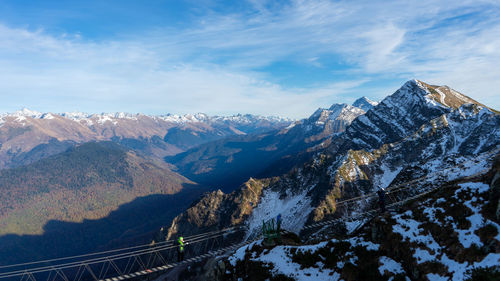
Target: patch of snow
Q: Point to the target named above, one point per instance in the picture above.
(390, 265)
(492, 259)
(436, 277)
(47, 116)
(279, 258)
(476, 187)
(430, 212)
(440, 200)
(388, 175)
(410, 230)
(240, 253)
(458, 269)
(102, 119)
(467, 237)
(359, 241)
(291, 125)
(294, 210)
(21, 118)
(422, 256)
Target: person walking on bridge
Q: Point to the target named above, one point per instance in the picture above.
(381, 200)
(180, 249)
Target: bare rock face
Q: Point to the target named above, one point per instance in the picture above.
(365, 103)
(217, 210)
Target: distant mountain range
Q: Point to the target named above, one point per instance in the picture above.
(229, 162)
(64, 175)
(27, 136)
(86, 182)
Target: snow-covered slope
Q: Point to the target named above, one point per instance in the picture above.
(395, 117)
(365, 103)
(406, 136)
(335, 118)
(410, 137)
(444, 236)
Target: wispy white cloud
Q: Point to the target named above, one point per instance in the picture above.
(211, 66)
(60, 73)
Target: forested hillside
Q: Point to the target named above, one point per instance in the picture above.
(85, 182)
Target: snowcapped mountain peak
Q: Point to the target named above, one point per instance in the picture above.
(338, 116)
(317, 113)
(337, 106)
(345, 112)
(412, 93)
(396, 116)
(365, 103)
(117, 117)
(75, 115)
(445, 95)
(47, 116)
(27, 113)
(124, 115)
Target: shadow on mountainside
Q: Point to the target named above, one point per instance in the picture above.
(228, 163)
(131, 224)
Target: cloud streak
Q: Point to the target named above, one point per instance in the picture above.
(222, 62)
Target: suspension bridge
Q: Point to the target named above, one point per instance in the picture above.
(147, 259)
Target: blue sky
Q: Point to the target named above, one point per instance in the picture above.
(224, 57)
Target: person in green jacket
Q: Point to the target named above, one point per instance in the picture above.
(180, 249)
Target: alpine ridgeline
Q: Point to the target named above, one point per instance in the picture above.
(229, 162)
(27, 136)
(427, 135)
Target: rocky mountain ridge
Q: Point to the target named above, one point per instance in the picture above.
(413, 136)
(364, 103)
(229, 162)
(405, 136)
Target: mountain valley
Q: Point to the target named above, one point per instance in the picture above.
(118, 180)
